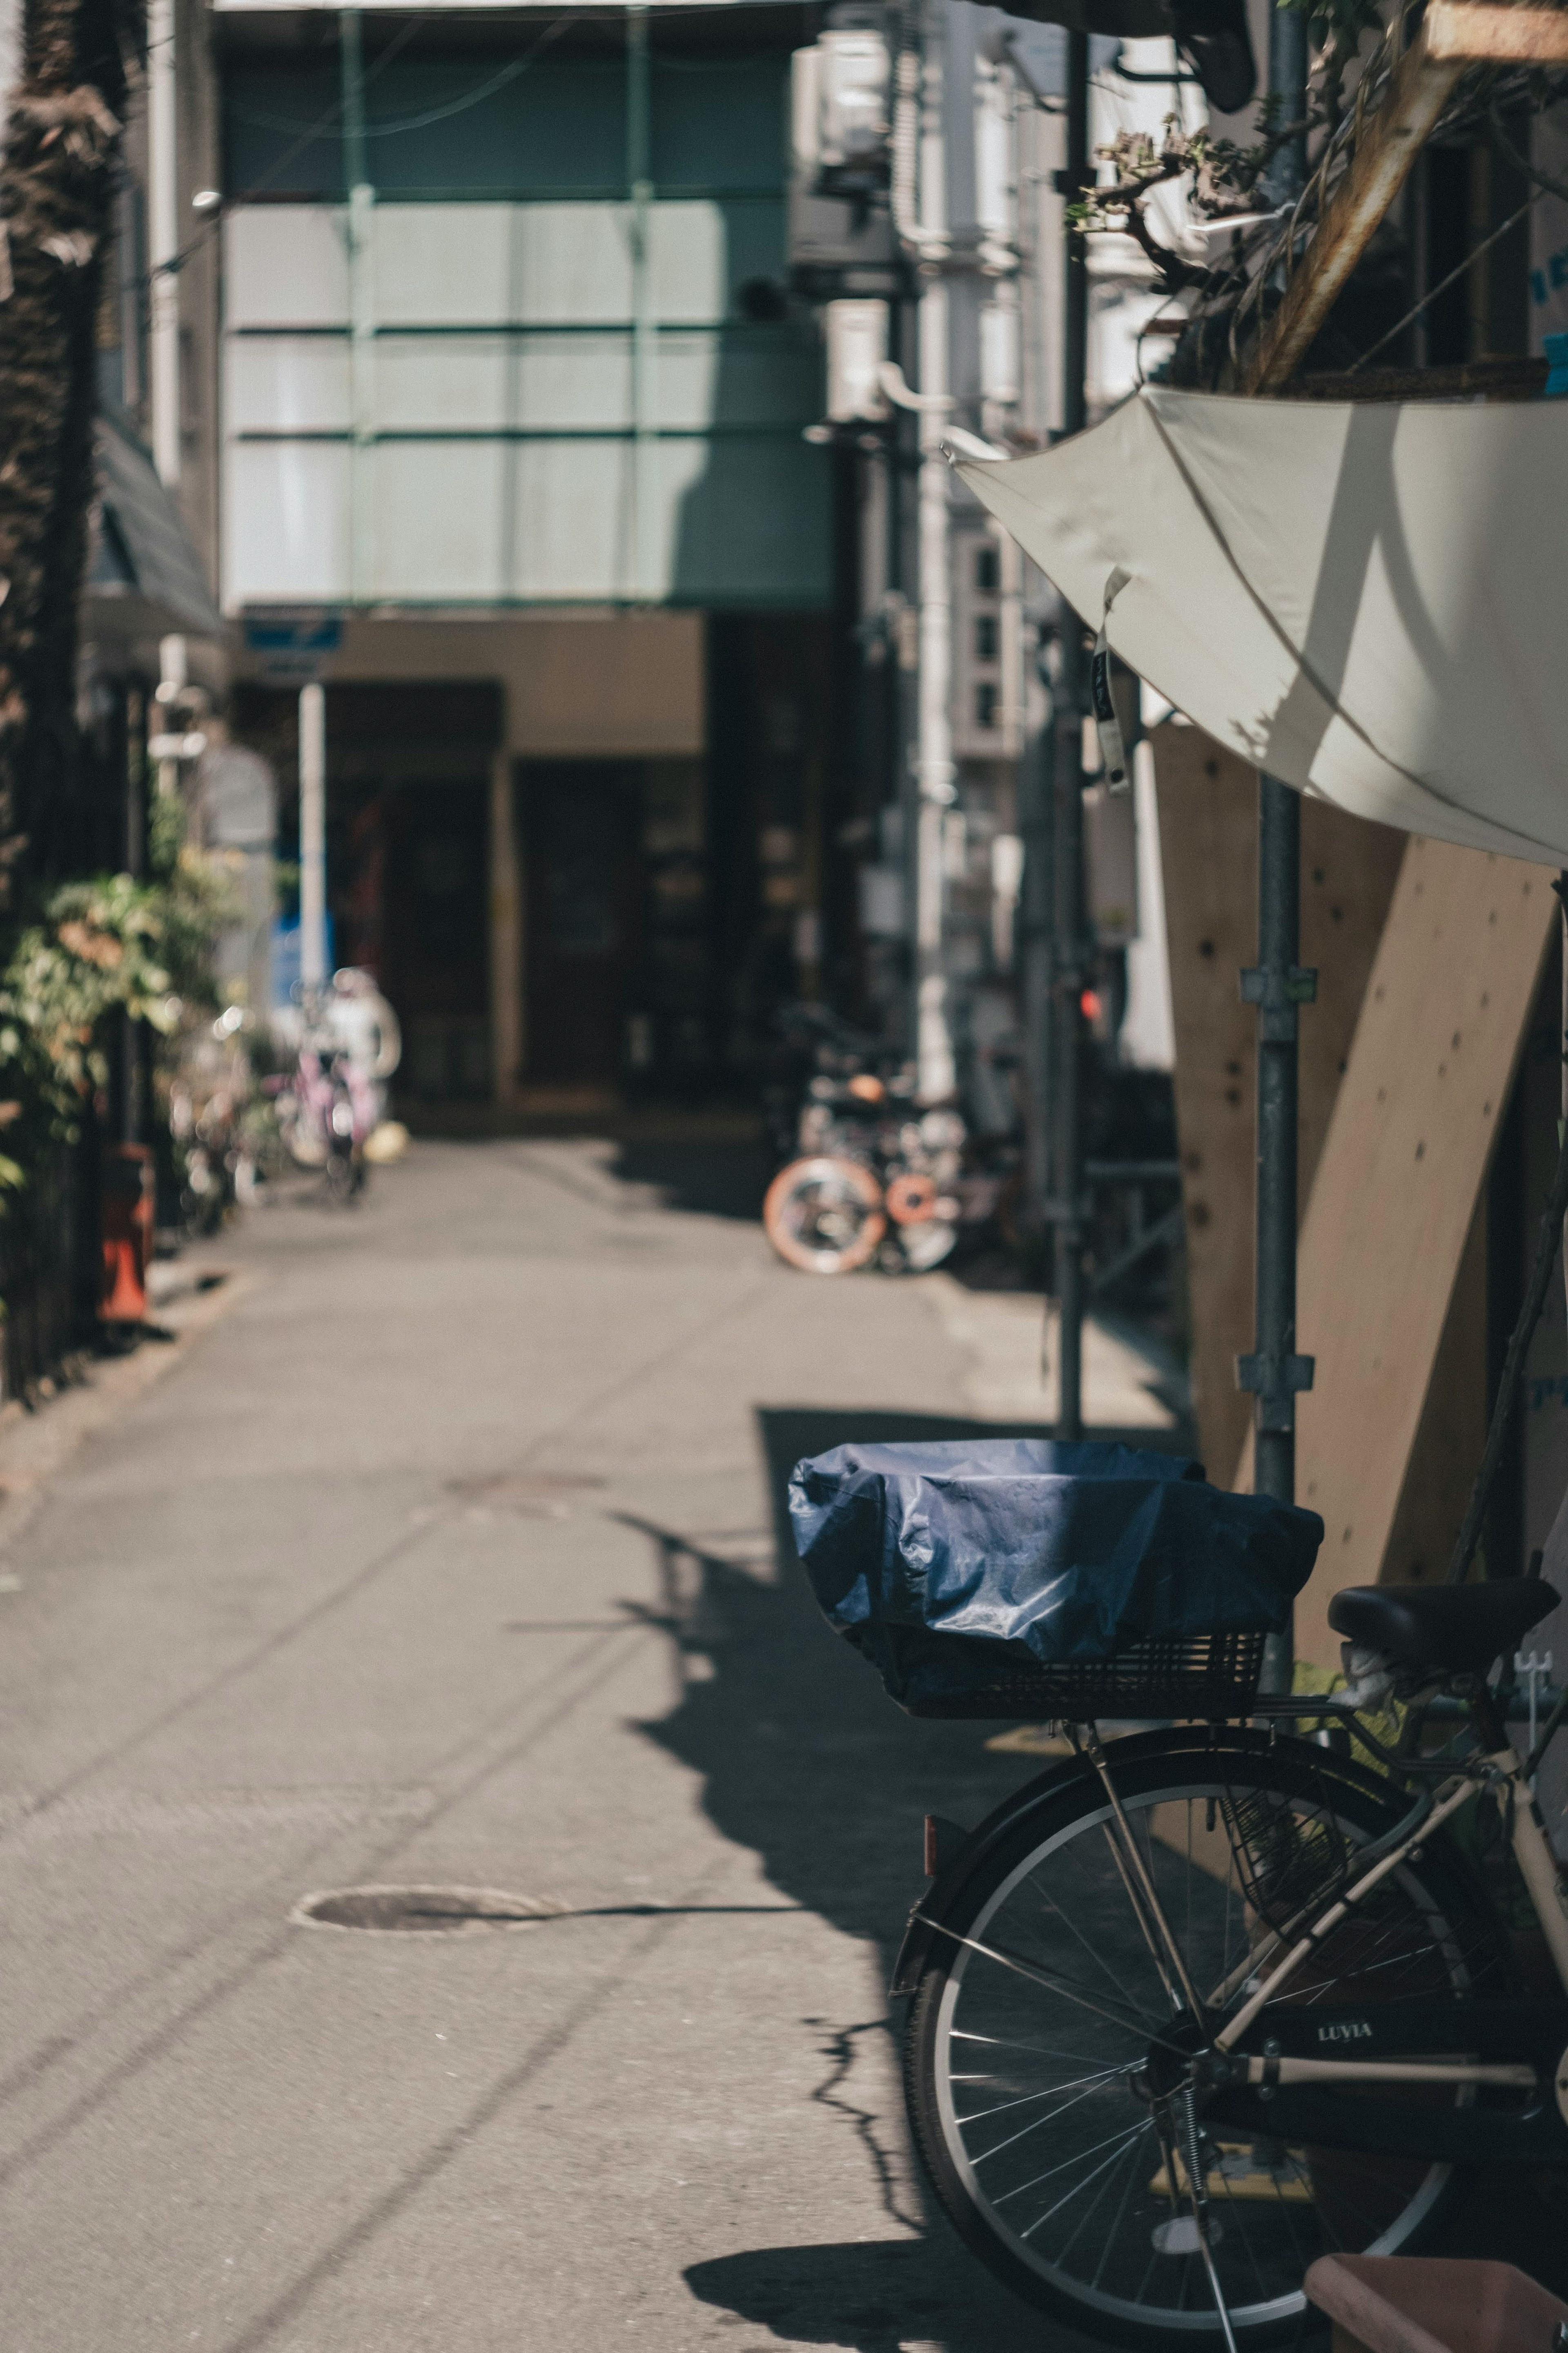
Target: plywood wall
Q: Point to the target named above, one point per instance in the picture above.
(1208, 839)
(1452, 1435)
(1387, 1267)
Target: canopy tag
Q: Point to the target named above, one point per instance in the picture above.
(1112, 750)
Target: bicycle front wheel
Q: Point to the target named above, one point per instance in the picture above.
(824, 1215)
(1040, 1999)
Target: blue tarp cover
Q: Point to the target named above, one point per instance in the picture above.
(945, 1562)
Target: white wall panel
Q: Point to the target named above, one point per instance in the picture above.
(286, 266)
(689, 278)
(739, 514)
(732, 379)
(287, 382)
(438, 526)
(571, 505)
(744, 521)
(544, 382)
(482, 264)
(286, 522)
(463, 522)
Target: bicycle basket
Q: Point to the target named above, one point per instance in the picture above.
(1290, 1867)
(1015, 1577)
(1200, 1675)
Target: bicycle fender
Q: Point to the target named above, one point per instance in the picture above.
(1045, 1792)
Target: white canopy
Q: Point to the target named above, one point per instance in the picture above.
(1369, 601)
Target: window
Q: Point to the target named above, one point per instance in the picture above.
(987, 569)
(985, 701)
(986, 637)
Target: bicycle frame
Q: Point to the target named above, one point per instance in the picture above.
(1541, 2024)
(1548, 1891)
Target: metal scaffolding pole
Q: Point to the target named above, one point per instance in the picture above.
(1278, 985)
(312, 843)
(1035, 937)
(1072, 945)
(361, 194)
(163, 241)
(934, 767)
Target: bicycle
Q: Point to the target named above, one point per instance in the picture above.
(347, 1045)
(1187, 2012)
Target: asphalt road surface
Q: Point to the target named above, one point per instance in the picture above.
(448, 1557)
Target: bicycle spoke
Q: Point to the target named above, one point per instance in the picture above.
(1065, 2200)
(1133, 2026)
(1009, 2042)
(1076, 2159)
(1033, 2126)
(1091, 2210)
(1234, 2222)
(1112, 2235)
(1024, 2098)
(1142, 1947)
(1097, 1958)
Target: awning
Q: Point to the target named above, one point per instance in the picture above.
(143, 575)
(1366, 600)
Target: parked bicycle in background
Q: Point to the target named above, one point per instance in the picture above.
(869, 1174)
(332, 1107)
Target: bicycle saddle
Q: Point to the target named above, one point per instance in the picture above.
(1450, 1629)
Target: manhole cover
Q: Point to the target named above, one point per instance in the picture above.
(532, 1495)
(442, 1910)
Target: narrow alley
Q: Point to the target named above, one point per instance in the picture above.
(448, 1557)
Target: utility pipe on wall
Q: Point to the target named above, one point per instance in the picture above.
(163, 241)
(1277, 986)
(312, 838)
(1072, 945)
(934, 770)
(362, 308)
(643, 535)
(163, 305)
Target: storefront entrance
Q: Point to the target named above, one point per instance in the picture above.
(583, 858)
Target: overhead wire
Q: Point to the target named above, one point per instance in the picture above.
(1444, 284)
(324, 127)
(512, 71)
(209, 227)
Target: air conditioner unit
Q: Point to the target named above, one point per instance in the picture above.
(839, 129)
(984, 726)
(853, 84)
(857, 349)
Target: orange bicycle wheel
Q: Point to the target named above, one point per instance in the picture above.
(824, 1215)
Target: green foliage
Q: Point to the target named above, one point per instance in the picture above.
(1385, 1722)
(99, 948)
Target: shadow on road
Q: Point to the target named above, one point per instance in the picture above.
(875, 2295)
(805, 1762)
(713, 1180)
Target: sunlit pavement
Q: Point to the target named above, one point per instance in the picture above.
(447, 1557)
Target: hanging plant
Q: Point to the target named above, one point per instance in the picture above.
(111, 945)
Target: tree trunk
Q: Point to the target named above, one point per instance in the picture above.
(57, 187)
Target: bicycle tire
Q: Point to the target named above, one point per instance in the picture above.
(1306, 2201)
(824, 1214)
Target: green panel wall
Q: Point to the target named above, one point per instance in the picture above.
(539, 418)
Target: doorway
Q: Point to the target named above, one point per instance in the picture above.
(582, 832)
(432, 843)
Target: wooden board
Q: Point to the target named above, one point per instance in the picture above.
(1395, 1195)
(1452, 1435)
(1208, 840)
(1473, 30)
(1419, 90)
